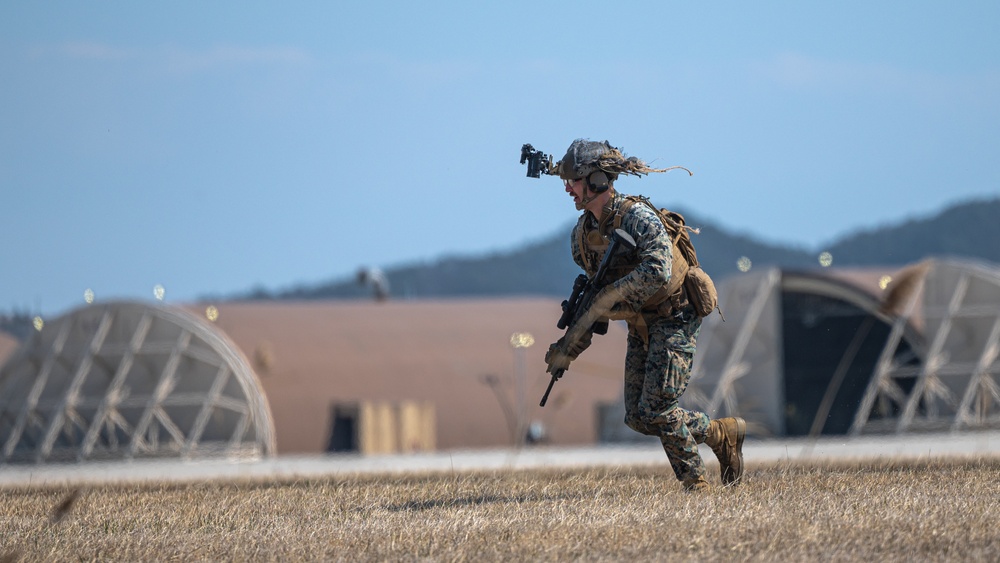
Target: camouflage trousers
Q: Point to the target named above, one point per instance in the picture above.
(655, 379)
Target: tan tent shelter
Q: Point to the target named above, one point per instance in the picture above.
(127, 380)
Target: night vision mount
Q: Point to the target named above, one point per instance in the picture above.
(538, 162)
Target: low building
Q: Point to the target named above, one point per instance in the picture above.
(474, 367)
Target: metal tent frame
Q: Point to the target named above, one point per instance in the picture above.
(125, 380)
(951, 306)
(957, 386)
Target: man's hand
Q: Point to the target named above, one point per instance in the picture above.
(561, 353)
(598, 310)
(557, 358)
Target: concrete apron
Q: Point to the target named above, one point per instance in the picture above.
(865, 448)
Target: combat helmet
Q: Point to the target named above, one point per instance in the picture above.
(600, 163)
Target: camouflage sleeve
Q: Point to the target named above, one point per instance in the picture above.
(654, 253)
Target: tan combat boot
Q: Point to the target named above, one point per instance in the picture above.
(697, 485)
(725, 437)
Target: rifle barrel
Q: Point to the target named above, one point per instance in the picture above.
(555, 377)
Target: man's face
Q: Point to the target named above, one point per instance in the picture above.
(576, 189)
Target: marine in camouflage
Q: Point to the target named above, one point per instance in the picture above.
(661, 342)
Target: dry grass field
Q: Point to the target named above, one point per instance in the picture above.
(937, 510)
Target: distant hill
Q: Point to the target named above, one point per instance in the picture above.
(970, 229)
(545, 268)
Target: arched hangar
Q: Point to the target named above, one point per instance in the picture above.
(127, 380)
(809, 353)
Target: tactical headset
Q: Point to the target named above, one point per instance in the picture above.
(598, 181)
(584, 154)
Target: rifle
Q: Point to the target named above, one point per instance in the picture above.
(584, 291)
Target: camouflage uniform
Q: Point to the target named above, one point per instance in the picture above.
(657, 372)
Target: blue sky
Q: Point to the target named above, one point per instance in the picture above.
(214, 147)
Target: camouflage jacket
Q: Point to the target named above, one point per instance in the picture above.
(651, 264)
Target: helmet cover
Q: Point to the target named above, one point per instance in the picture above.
(584, 157)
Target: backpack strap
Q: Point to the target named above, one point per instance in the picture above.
(601, 225)
(680, 243)
(627, 203)
(580, 239)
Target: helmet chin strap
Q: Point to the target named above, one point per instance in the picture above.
(593, 194)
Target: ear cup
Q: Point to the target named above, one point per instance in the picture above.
(598, 181)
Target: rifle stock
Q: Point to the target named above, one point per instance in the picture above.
(584, 292)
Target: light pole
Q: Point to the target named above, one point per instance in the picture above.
(519, 341)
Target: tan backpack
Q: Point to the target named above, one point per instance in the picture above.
(685, 270)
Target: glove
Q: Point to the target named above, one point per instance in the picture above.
(560, 354)
(566, 349)
(557, 358)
